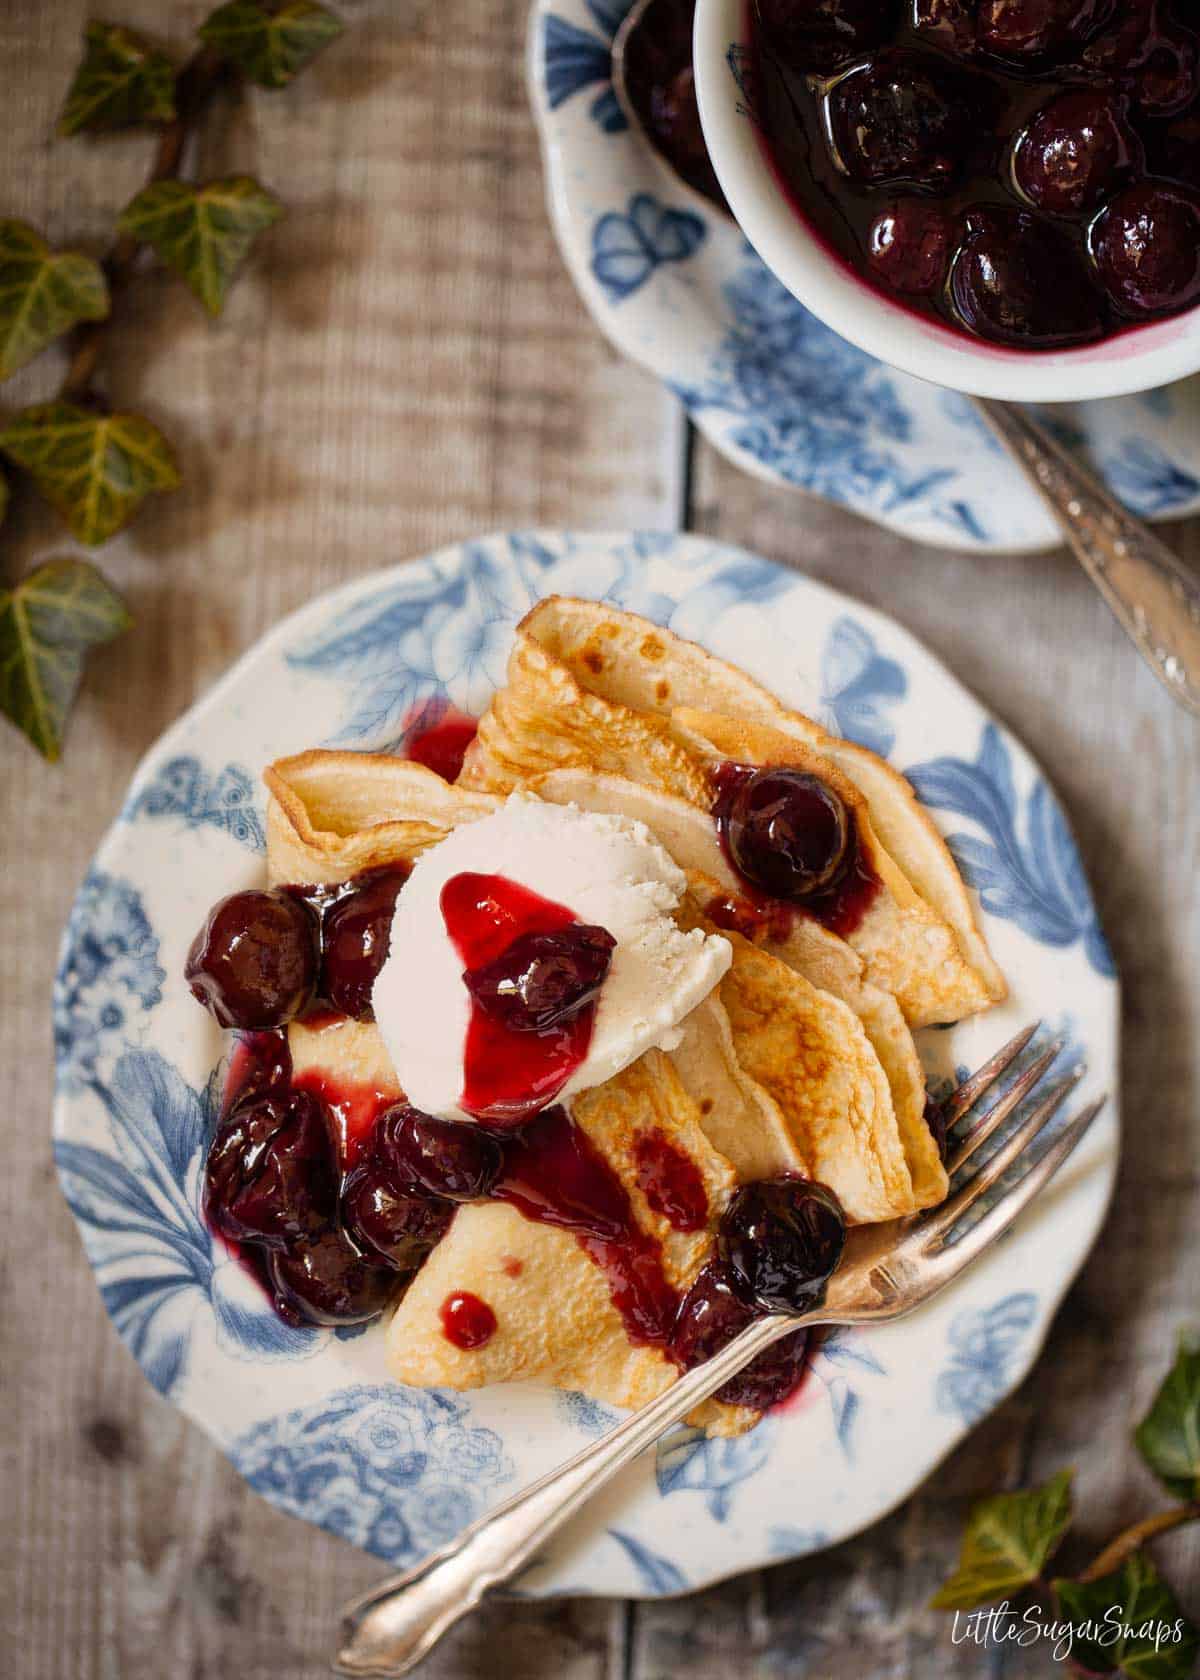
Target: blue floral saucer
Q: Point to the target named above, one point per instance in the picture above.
(676, 287)
(308, 1416)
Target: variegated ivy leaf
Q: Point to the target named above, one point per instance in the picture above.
(96, 469)
(203, 232)
(121, 81)
(47, 624)
(1168, 1437)
(1008, 1541)
(1129, 1623)
(270, 47)
(43, 293)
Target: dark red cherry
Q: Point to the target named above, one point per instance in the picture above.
(1181, 149)
(711, 1314)
(949, 24)
(1150, 52)
(1019, 282)
(675, 117)
(787, 832)
(396, 1224)
(356, 933)
(271, 1174)
(254, 962)
(542, 979)
(1073, 149)
(781, 1239)
(325, 1280)
(904, 117)
(822, 34)
(1025, 30)
(448, 1158)
(1146, 246)
(909, 246)
(1168, 80)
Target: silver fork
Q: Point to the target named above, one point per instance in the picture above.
(886, 1271)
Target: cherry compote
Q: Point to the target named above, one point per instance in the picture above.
(790, 835)
(1023, 171)
(254, 963)
(447, 1158)
(533, 972)
(542, 979)
(711, 1314)
(781, 1239)
(356, 931)
(271, 1174)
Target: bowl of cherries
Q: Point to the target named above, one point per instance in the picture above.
(1001, 196)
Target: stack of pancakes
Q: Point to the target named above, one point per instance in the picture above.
(801, 1060)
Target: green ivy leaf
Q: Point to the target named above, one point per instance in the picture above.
(1129, 1623)
(270, 47)
(1008, 1541)
(1168, 1437)
(43, 293)
(202, 232)
(121, 81)
(96, 469)
(47, 624)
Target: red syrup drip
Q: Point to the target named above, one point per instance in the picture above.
(467, 1322)
(554, 1175)
(840, 908)
(670, 1182)
(509, 1075)
(354, 1109)
(438, 737)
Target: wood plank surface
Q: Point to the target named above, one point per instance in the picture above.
(405, 363)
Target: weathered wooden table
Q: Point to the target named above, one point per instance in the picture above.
(405, 363)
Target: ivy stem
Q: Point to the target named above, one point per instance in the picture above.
(1128, 1542)
(195, 86)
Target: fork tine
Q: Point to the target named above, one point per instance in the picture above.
(943, 1219)
(1000, 1110)
(972, 1088)
(997, 1219)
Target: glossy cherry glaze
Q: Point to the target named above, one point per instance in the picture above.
(781, 1240)
(447, 1158)
(393, 1222)
(509, 1074)
(711, 1314)
(957, 153)
(254, 962)
(792, 841)
(271, 1174)
(438, 736)
(555, 1175)
(542, 979)
(662, 88)
(671, 1183)
(326, 1280)
(467, 1322)
(356, 931)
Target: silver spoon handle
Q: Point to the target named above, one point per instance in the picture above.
(1152, 594)
(388, 1631)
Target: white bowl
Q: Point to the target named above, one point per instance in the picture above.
(1137, 360)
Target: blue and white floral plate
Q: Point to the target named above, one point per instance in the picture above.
(308, 1416)
(676, 287)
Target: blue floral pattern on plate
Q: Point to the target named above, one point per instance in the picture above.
(626, 249)
(309, 1416)
(185, 790)
(1039, 882)
(768, 384)
(137, 1204)
(399, 1471)
(982, 1344)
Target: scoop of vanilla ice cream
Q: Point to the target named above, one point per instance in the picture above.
(608, 870)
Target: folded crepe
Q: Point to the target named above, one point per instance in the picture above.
(592, 688)
(771, 1074)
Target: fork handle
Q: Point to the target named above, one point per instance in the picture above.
(1152, 594)
(388, 1631)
